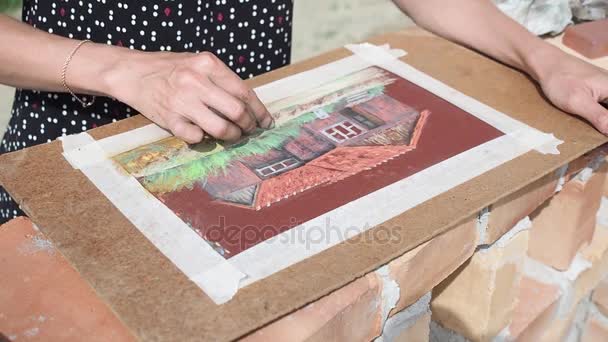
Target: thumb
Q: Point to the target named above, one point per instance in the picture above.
(593, 111)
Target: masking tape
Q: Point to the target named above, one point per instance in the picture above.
(311, 79)
(221, 278)
(175, 239)
(354, 218)
(534, 139)
(82, 150)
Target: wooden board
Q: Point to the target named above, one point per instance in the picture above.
(157, 302)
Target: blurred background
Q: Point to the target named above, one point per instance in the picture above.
(322, 25)
(337, 22)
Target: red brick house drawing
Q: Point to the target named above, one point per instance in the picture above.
(335, 145)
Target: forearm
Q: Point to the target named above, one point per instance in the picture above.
(33, 59)
(480, 25)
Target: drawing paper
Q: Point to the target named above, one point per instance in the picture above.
(332, 144)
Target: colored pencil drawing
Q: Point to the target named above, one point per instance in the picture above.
(330, 146)
(322, 136)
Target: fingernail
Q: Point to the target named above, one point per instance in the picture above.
(268, 123)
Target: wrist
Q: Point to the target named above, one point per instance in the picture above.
(95, 67)
(540, 62)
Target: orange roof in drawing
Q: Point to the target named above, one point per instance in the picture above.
(366, 131)
(333, 166)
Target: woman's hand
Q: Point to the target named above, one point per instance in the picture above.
(191, 95)
(571, 84)
(575, 86)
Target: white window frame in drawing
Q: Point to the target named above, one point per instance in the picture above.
(272, 167)
(341, 123)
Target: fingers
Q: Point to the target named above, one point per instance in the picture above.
(602, 85)
(213, 124)
(595, 113)
(186, 130)
(205, 97)
(262, 114)
(226, 79)
(594, 105)
(229, 106)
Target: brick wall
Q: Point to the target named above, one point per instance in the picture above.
(532, 267)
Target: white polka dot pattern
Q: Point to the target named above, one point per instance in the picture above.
(251, 37)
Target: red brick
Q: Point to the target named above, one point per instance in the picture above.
(477, 300)
(567, 222)
(589, 39)
(588, 160)
(536, 305)
(411, 324)
(417, 332)
(421, 269)
(505, 213)
(597, 254)
(576, 296)
(560, 328)
(600, 296)
(557, 41)
(42, 298)
(596, 328)
(352, 313)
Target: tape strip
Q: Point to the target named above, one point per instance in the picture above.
(176, 240)
(127, 141)
(221, 278)
(534, 139)
(351, 219)
(82, 150)
(311, 79)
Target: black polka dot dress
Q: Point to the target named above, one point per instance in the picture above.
(251, 37)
